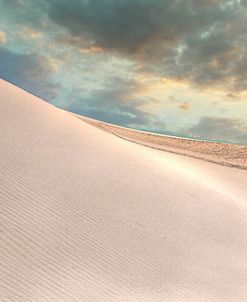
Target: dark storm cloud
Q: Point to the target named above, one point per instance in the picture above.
(114, 104)
(228, 129)
(128, 25)
(203, 42)
(121, 25)
(29, 72)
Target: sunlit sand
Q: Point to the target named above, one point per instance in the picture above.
(89, 216)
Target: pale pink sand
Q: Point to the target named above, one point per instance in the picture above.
(87, 216)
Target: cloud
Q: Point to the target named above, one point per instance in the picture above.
(15, 2)
(198, 41)
(121, 25)
(88, 50)
(3, 37)
(114, 104)
(128, 25)
(231, 95)
(228, 129)
(28, 71)
(25, 13)
(29, 33)
(184, 106)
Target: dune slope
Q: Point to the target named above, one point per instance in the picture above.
(87, 216)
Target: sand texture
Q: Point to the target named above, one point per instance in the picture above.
(224, 154)
(87, 216)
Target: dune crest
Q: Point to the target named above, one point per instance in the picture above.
(88, 216)
(229, 155)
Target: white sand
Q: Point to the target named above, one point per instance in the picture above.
(87, 216)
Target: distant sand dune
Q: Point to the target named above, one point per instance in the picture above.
(88, 216)
(224, 154)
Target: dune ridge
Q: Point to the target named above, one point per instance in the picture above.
(88, 216)
(226, 154)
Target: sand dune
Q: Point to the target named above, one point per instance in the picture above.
(88, 216)
(221, 153)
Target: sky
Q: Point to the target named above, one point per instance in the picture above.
(175, 67)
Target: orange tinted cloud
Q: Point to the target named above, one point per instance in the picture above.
(184, 106)
(89, 50)
(29, 33)
(3, 37)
